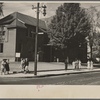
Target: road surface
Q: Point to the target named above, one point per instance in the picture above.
(71, 79)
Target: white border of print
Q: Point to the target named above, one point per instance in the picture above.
(50, 91)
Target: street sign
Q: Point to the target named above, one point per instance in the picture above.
(40, 33)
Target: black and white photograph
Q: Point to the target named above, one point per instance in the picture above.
(49, 43)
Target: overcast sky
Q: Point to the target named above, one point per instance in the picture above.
(26, 8)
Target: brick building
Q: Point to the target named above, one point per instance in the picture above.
(19, 31)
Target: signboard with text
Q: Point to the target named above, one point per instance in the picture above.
(18, 55)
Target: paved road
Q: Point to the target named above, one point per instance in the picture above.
(71, 79)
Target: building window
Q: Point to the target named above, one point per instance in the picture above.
(1, 47)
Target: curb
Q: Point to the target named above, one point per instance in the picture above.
(48, 75)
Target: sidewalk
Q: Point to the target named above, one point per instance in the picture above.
(46, 69)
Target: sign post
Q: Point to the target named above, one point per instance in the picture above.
(17, 56)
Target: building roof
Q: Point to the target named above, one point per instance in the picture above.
(17, 19)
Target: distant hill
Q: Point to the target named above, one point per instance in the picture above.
(47, 20)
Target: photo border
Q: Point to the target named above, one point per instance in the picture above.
(67, 92)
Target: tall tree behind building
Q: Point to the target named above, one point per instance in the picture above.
(94, 36)
(69, 26)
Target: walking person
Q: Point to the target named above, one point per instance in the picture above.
(26, 65)
(79, 64)
(7, 66)
(23, 64)
(73, 64)
(91, 66)
(88, 64)
(66, 63)
(76, 64)
(3, 67)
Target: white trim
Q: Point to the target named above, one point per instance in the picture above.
(21, 21)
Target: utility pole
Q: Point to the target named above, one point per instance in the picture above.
(36, 35)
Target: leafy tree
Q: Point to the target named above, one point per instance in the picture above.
(94, 35)
(69, 26)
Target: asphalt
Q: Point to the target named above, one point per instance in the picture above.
(53, 71)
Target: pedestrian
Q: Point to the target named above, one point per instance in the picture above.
(57, 59)
(66, 64)
(76, 64)
(23, 64)
(88, 64)
(91, 66)
(26, 65)
(7, 66)
(3, 68)
(73, 64)
(79, 64)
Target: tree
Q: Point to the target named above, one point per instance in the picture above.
(94, 36)
(69, 26)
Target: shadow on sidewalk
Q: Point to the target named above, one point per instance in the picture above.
(30, 72)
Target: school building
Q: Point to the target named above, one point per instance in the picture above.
(18, 40)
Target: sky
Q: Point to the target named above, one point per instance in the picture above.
(26, 8)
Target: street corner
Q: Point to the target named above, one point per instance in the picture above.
(16, 74)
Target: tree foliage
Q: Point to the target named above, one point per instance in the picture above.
(69, 26)
(94, 36)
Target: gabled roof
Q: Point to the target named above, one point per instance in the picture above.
(17, 19)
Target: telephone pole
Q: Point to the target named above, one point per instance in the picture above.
(36, 35)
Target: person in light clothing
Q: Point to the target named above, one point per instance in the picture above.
(73, 64)
(91, 64)
(79, 64)
(88, 64)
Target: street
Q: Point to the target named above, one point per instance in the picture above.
(71, 79)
